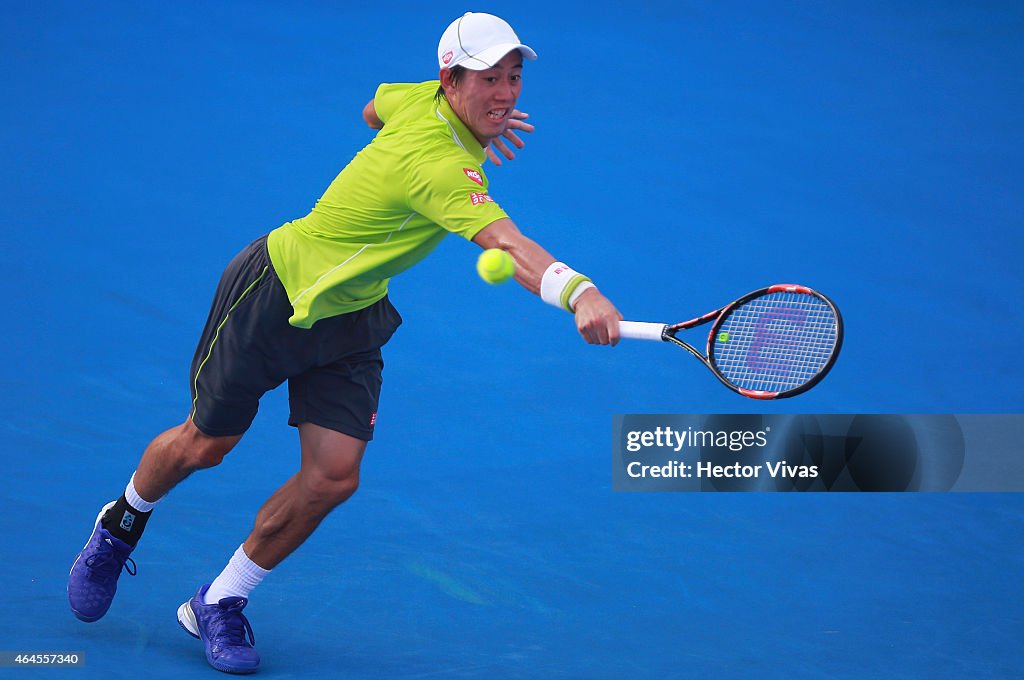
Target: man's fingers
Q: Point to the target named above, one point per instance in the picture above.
(514, 124)
(498, 146)
(614, 334)
(596, 334)
(601, 330)
(514, 138)
(491, 156)
(501, 146)
(597, 319)
(611, 331)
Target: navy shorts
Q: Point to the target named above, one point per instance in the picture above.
(248, 348)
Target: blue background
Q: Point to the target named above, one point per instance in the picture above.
(685, 153)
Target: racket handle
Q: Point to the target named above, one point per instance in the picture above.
(641, 330)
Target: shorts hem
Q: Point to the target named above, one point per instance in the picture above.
(215, 432)
(358, 433)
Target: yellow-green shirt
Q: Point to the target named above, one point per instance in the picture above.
(419, 179)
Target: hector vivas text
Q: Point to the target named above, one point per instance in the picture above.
(739, 442)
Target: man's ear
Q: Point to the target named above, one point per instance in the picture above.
(445, 76)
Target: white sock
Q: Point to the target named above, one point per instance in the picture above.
(135, 500)
(237, 580)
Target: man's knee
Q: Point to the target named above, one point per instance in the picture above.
(332, 489)
(201, 450)
(330, 464)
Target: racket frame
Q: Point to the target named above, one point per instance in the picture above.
(668, 334)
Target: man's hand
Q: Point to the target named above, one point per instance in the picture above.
(498, 145)
(597, 319)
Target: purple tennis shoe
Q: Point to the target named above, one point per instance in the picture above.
(92, 582)
(224, 630)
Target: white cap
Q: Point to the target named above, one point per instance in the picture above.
(478, 41)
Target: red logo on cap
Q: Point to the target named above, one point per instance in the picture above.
(474, 175)
(447, 57)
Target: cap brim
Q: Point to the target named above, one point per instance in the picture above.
(492, 55)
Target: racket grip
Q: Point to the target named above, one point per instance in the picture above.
(641, 330)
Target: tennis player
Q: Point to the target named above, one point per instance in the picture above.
(308, 303)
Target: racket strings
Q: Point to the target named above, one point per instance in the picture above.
(776, 342)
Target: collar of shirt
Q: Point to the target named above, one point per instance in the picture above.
(463, 137)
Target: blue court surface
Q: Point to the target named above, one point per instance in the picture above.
(685, 153)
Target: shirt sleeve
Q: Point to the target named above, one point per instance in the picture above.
(388, 97)
(453, 194)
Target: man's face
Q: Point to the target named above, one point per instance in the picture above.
(484, 100)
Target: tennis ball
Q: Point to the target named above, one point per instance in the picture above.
(495, 266)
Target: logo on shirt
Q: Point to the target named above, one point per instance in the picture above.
(474, 175)
(477, 198)
(447, 57)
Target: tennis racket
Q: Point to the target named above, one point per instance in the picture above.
(772, 343)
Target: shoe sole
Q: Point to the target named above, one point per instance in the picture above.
(79, 615)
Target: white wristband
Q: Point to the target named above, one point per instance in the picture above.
(559, 283)
(580, 289)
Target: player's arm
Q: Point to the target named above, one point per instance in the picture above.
(597, 319)
(371, 117)
(531, 259)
